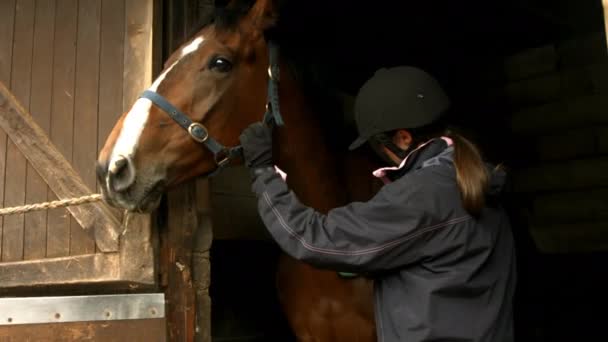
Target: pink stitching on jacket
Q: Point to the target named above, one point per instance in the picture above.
(363, 251)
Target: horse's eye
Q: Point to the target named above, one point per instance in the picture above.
(220, 64)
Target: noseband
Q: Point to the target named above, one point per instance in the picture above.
(224, 155)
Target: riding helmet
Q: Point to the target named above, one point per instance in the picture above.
(396, 98)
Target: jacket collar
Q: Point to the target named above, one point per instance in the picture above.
(414, 159)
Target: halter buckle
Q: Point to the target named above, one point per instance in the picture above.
(192, 130)
(272, 75)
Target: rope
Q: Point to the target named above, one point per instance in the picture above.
(50, 205)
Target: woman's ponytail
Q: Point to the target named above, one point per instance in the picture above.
(471, 174)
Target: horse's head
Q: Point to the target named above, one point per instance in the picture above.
(217, 79)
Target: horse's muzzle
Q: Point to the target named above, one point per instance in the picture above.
(118, 175)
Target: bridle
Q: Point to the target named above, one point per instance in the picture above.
(221, 154)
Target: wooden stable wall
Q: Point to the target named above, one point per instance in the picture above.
(76, 65)
(64, 62)
(558, 98)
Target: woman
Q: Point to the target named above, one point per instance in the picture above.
(434, 237)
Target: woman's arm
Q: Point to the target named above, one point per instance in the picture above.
(386, 232)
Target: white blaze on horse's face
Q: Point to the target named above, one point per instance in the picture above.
(136, 119)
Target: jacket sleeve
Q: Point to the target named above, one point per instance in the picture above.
(386, 232)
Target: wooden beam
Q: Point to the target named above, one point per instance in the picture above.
(81, 269)
(605, 3)
(132, 330)
(201, 264)
(31, 140)
(176, 257)
(569, 207)
(581, 237)
(139, 16)
(563, 176)
(136, 250)
(579, 112)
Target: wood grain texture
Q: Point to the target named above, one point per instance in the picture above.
(177, 257)
(91, 268)
(64, 60)
(110, 71)
(40, 107)
(15, 162)
(148, 330)
(137, 74)
(56, 171)
(85, 110)
(7, 20)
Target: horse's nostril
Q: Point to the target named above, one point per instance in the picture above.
(121, 174)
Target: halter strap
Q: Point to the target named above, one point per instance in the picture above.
(272, 106)
(222, 154)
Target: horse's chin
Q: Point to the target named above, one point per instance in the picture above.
(143, 201)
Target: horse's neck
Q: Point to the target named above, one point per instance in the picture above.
(312, 171)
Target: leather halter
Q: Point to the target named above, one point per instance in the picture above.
(224, 155)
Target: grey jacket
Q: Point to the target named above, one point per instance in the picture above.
(440, 274)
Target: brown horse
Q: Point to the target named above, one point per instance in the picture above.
(219, 79)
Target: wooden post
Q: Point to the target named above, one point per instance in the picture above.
(201, 265)
(176, 256)
(605, 3)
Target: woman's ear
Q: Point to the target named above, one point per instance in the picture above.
(403, 139)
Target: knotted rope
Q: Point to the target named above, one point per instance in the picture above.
(50, 205)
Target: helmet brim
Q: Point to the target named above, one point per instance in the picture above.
(357, 143)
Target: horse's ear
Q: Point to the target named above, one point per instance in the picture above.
(262, 15)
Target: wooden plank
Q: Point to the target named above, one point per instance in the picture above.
(58, 233)
(243, 223)
(136, 250)
(138, 49)
(191, 17)
(141, 330)
(206, 9)
(602, 143)
(201, 264)
(232, 181)
(157, 37)
(174, 29)
(232, 189)
(85, 108)
(7, 20)
(7, 26)
(40, 106)
(110, 71)
(15, 162)
(571, 144)
(571, 207)
(580, 112)
(567, 175)
(569, 83)
(572, 237)
(56, 171)
(177, 256)
(110, 67)
(583, 50)
(531, 62)
(79, 269)
(605, 5)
